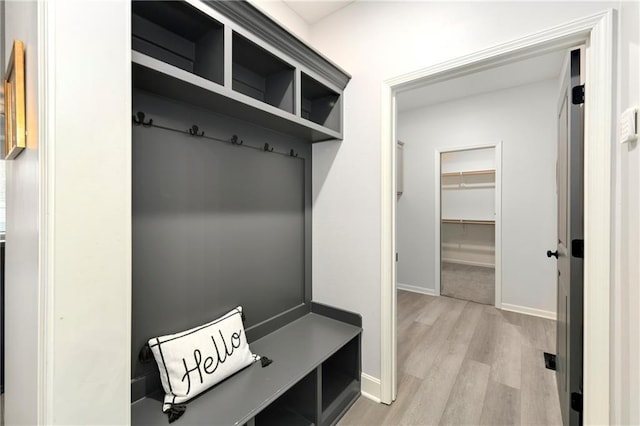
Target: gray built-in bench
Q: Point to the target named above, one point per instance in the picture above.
(314, 379)
(226, 104)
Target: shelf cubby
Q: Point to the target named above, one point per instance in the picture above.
(297, 407)
(340, 380)
(320, 104)
(261, 75)
(179, 34)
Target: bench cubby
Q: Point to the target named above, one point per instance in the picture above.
(340, 379)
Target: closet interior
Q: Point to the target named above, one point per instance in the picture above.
(467, 233)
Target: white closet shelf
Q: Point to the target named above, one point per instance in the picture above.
(470, 173)
(469, 221)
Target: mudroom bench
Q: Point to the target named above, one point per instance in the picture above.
(313, 380)
(226, 104)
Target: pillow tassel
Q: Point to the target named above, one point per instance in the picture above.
(265, 361)
(145, 355)
(176, 411)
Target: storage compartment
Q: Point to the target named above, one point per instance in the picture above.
(261, 75)
(467, 234)
(297, 407)
(320, 104)
(180, 35)
(340, 381)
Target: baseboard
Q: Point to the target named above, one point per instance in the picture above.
(370, 387)
(416, 289)
(469, 263)
(530, 311)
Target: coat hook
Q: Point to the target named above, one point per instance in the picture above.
(234, 140)
(266, 148)
(193, 131)
(292, 153)
(138, 119)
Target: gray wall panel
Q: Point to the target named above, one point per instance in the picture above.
(214, 225)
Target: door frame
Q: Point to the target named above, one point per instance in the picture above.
(497, 146)
(597, 33)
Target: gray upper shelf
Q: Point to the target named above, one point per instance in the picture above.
(266, 75)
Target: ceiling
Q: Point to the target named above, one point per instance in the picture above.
(510, 75)
(313, 11)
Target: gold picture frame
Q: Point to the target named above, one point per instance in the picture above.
(14, 101)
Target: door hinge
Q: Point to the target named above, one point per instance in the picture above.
(577, 248)
(576, 401)
(396, 256)
(577, 95)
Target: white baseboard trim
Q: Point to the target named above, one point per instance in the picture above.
(530, 311)
(370, 387)
(416, 289)
(470, 263)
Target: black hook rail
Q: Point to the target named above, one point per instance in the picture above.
(139, 120)
(193, 131)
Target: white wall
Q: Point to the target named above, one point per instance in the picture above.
(375, 41)
(68, 280)
(22, 300)
(523, 118)
(285, 16)
(89, 176)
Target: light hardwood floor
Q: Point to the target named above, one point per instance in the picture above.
(463, 363)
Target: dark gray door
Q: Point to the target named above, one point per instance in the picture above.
(570, 172)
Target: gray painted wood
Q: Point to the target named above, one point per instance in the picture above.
(247, 16)
(209, 56)
(297, 349)
(168, 81)
(182, 37)
(463, 384)
(215, 226)
(320, 104)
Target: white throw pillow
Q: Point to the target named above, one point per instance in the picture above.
(192, 361)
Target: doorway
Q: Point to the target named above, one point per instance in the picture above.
(468, 213)
(597, 31)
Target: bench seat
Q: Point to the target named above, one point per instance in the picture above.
(297, 349)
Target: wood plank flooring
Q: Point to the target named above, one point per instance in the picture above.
(463, 363)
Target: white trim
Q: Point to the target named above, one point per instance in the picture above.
(599, 139)
(498, 228)
(370, 387)
(46, 159)
(437, 240)
(597, 32)
(530, 311)
(388, 364)
(416, 289)
(497, 146)
(469, 263)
